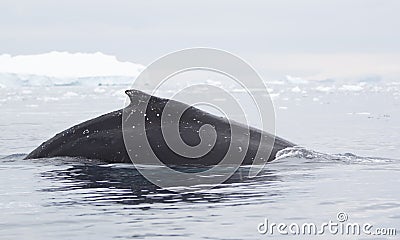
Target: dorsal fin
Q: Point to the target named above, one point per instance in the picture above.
(136, 95)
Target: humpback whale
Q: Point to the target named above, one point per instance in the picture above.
(102, 137)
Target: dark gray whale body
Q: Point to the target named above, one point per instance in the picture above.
(101, 138)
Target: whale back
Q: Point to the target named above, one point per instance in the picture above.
(190, 123)
(101, 138)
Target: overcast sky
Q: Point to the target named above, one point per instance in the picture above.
(313, 38)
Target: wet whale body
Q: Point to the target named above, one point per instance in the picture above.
(102, 137)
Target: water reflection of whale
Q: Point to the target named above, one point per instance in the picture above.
(104, 184)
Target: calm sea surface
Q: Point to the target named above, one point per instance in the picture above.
(348, 165)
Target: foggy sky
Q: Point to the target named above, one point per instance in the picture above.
(302, 38)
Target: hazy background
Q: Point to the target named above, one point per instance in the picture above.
(310, 39)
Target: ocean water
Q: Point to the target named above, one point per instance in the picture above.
(347, 166)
